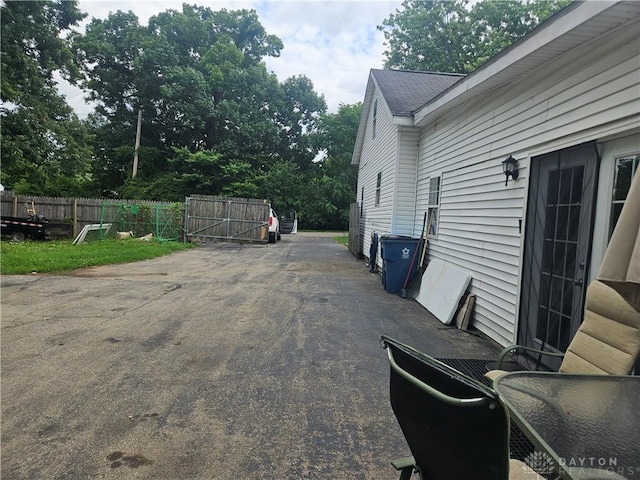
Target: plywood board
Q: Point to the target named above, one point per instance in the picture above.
(441, 289)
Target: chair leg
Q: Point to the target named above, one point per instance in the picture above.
(405, 473)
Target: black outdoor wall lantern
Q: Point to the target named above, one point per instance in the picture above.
(510, 169)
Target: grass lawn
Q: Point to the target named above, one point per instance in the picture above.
(58, 256)
(343, 239)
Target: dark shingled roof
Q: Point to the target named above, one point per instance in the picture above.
(405, 91)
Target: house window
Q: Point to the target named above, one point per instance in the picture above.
(434, 202)
(375, 118)
(626, 168)
(378, 183)
(361, 201)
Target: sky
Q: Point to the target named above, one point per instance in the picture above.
(334, 43)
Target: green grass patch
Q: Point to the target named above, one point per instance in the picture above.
(343, 239)
(59, 256)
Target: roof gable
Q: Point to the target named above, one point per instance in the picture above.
(405, 91)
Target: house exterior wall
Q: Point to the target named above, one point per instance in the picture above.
(405, 188)
(379, 154)
(587, 94)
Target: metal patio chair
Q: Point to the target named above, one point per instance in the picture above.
(456, 427)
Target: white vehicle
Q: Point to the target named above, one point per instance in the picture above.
(274, 226)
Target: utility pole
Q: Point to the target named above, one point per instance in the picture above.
(135, 153)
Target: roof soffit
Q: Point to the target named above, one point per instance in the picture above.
(584, 23)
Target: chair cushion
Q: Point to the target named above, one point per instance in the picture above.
(520, 471)
(494, 374)
(608, 341)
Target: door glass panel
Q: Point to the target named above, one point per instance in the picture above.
(558, 261)
(553, 329)
(565, 185)
(552, 190)
(574, 223)
(550, 222)
(556, 294)
(562, 219)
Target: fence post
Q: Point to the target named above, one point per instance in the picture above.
(186, 219)
(75, 217)
(15, 205)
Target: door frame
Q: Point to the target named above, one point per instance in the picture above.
(594, 166)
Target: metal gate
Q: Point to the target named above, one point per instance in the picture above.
(162, 220)
(210, 218)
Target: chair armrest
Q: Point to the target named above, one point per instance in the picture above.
(514, 348)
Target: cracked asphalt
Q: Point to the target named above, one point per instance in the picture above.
(221, 362)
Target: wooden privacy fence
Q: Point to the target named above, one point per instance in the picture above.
(77, 211)
(355, 230)
(223, 218)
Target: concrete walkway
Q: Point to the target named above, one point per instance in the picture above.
(221, 362)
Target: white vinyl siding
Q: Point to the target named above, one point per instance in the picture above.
(379, 155)
(579, 97)
(405, 189)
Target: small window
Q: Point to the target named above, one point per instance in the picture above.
(361, 201)
(375, 118)
(378, 183)
(625, 170)
(434, 202)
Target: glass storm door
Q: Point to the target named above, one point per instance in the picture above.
(557, 247)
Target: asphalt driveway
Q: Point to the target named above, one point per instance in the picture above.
(221, 362)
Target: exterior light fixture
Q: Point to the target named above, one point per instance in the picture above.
(510, 169)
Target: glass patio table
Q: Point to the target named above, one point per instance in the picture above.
(585, 426)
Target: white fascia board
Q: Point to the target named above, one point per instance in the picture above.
(545, 35)
(362, 127)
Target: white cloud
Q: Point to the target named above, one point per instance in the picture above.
(334, 43)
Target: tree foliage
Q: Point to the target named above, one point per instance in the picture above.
(457, 36)
(332, 188)
(214, 120)
(45, 147)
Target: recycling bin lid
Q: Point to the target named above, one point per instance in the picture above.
(396, 237)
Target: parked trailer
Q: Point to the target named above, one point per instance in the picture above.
(35, 227)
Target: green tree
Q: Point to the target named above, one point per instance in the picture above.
(332, 185)
(199, 80)
(456, 36)
(45, 147)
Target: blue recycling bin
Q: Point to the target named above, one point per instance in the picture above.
(400, 258)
